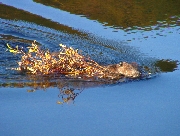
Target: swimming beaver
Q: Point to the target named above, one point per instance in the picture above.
(125, 69)
(122, 69)
(70, 63)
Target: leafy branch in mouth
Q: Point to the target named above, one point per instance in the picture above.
(67, 61)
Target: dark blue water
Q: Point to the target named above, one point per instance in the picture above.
(144, 107)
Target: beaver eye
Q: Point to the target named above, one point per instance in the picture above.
(121, 64)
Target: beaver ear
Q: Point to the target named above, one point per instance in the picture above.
(120, 64)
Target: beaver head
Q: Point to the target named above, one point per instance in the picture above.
(125, 69)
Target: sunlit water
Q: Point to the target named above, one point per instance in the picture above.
(143, 107)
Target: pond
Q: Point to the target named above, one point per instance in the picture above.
(144, 32)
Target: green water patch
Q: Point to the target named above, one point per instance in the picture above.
(167, 65)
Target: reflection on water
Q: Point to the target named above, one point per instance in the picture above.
(135, 19)
(127, 15)
(69, 89)
(8, 12)
(167, 65)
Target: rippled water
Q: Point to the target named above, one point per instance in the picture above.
(101, 50)
(145, 32)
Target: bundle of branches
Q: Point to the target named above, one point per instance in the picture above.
(67, 61)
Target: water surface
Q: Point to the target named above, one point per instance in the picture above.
(135, 31)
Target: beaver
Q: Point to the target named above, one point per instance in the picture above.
(70, 63)
(122, 69)
(129, 70)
